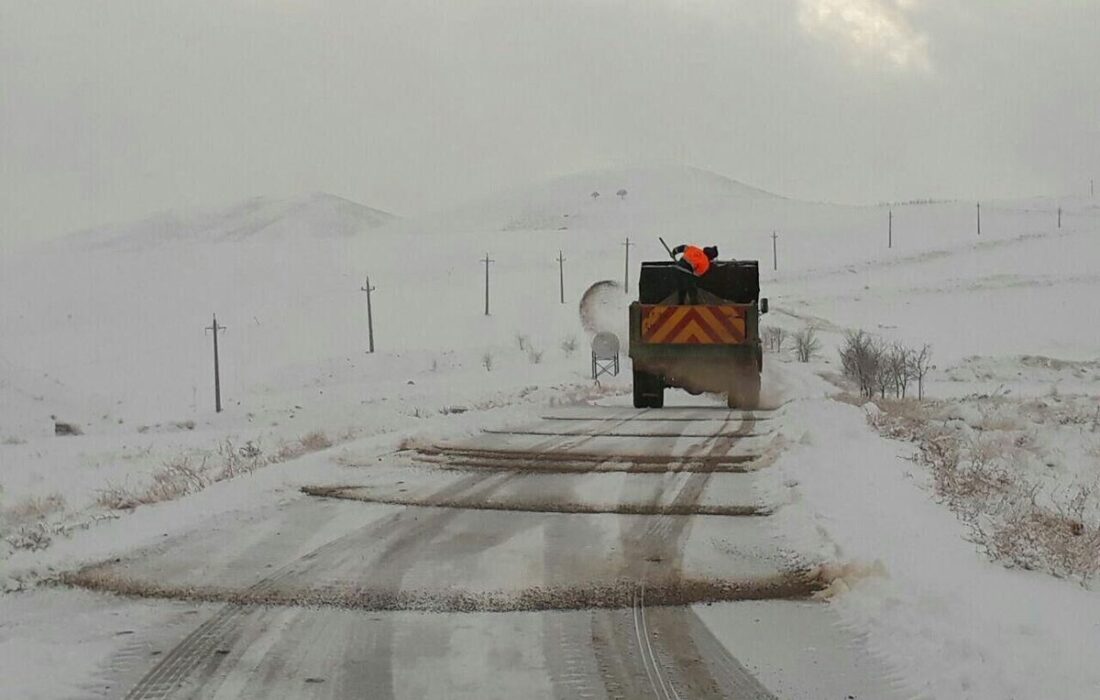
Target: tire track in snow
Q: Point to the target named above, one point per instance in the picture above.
(201, 647)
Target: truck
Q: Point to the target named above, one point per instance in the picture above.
(711, 346)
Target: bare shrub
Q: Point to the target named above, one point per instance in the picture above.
(884, 369)
(861, 360)
(920, 364)
(535, 356)
(569, 345)
(806, 344)
(487, 361)
(898, 366)
(14, 440)
(774, 338)
(523, 342)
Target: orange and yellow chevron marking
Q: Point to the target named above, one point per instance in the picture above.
(693, 325)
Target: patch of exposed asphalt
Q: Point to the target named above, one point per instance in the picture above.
(546, 460)
(567, 467)
(673, 591)
(358, 493)
(617, 433)
(663, 419)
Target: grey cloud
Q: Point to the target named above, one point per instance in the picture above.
(111, 110)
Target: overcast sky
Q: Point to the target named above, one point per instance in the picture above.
(110, 110)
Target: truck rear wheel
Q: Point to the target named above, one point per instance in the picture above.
(744, 392)
(649, 390)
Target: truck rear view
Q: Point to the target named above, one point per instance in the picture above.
(713, 346)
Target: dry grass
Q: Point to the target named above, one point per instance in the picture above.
(980, 476)
(236, 461)
(31, 538)
(112, 497)
(174, 479)
(310, 442)
(316, 441)
(1058, 541)
(27, 524)
(36, 508)
(183, 476)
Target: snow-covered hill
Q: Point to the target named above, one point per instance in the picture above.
(632, 199)
(260, 218)
(120, 312)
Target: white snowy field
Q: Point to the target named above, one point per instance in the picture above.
(105, 329)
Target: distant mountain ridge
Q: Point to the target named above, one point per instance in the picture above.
(603, 198)
(316, 214)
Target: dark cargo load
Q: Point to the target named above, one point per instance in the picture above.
(736, 281)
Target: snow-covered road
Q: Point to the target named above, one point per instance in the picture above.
(546, 561)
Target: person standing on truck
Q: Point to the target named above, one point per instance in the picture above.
(694, 262)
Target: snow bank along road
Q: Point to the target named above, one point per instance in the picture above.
(600, 553)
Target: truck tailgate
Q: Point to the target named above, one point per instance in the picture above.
(666, 324)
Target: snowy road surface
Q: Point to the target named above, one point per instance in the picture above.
(598, 553)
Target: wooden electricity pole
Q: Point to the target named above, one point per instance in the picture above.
(979, 218)
(1059, 217)
(890, 235)
(775, 251)
(217, 373)
(370, 316)
(487, 262)
(626, 273)
(561, 275)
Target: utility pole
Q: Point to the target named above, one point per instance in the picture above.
(487, 262)
(1092, 188)
(561, 275)
(775, 251)
(890, 235)
(1059, 217)
(626, 273)
(979, 218)
(370, 316)
(217, 374)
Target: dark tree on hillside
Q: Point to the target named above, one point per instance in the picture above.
(622, 194)
(595, 195)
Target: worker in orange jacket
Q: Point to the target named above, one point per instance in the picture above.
(694, 262)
